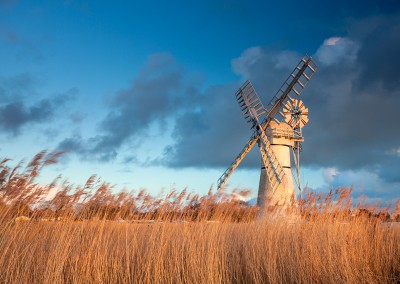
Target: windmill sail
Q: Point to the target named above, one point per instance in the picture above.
(253, 110)
(250, 104)
(295, 84)
(228, 172)
(271, 163)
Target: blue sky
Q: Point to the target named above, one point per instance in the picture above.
(141, 92)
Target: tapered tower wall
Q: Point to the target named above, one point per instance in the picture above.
(285, 192)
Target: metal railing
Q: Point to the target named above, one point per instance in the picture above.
(287, 133)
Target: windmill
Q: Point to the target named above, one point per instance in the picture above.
(277, 128)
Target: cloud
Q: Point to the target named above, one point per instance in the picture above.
(15, 110)
(72, 144)
(159, 91)
(17, 87)
(337, 49)
(378, 59)
(213, 133)
(353, 100)
(394, 152)
(15, 115)
(365, 183)
(242, 64)
(208, 135)
(329, 174)
(352, 106)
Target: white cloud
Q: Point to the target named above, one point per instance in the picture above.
(242, 64)
(286, 59)
(332, 41)
(329, 174)
(394, 152)
(364, 182)
(335, 49)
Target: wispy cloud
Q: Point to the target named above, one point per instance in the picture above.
(20, 104)
(159, 91)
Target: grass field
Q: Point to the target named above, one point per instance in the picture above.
(184, 238)
(266, 252)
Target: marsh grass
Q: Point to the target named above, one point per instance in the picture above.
(88, 234)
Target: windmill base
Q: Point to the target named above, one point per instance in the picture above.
(282, 199)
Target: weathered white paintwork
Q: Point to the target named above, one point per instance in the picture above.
(282, 138)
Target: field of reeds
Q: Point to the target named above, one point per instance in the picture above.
(90, 234)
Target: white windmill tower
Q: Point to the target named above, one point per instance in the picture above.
(277, 130)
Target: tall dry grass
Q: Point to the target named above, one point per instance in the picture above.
(178, 237)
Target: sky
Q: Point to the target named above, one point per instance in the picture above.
(141, 93)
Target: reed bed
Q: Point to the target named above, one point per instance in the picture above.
(88, 234)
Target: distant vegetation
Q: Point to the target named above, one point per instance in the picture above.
(90, 234)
